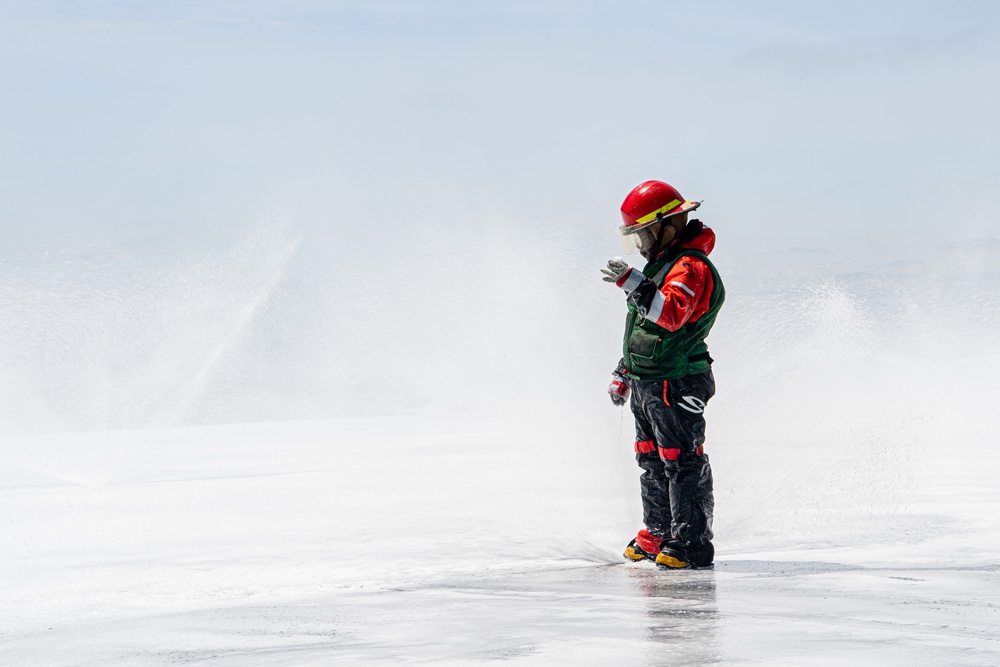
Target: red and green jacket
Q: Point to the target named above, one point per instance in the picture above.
(672, 305)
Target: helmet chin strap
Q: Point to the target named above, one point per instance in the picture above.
(659, 246)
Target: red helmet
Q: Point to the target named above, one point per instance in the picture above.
(648, 204)
(654, 200)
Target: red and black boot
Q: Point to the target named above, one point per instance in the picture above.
(645, 545)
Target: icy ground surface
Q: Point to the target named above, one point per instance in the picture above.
(379, 542)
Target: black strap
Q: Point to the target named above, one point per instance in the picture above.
(704, 356)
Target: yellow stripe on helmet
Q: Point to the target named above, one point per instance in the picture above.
(649, 217)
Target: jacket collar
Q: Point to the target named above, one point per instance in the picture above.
(694, 236)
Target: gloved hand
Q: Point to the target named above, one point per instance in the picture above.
(617, 268)
(618, 390)
(624, 276)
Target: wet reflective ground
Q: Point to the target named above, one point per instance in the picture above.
(264, 545)
(763, 612)
(743, 612)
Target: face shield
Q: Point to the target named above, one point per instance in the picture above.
(637, 238)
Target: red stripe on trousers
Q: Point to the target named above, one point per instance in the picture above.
(666, 395)
(674, 453)
(644, 446)
(670, 453)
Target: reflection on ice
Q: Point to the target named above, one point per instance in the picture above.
(681, 615)
(292, 544)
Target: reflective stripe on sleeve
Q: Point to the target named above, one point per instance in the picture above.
(656, 306)
(632, 281)
(683, 287)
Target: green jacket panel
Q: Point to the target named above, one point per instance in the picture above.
(652, 352)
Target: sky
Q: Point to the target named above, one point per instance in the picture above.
(120, 115)
(209, 204)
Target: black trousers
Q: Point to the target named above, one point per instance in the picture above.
(677, 499)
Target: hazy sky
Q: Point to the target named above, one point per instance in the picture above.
(796, 122)
(448, 177)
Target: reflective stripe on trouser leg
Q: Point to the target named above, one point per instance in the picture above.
(644, 446)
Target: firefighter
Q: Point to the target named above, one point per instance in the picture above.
(666, 369)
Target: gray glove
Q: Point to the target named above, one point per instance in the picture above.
(617, 268)
(629, 279)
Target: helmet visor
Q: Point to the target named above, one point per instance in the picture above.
(637, 238)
